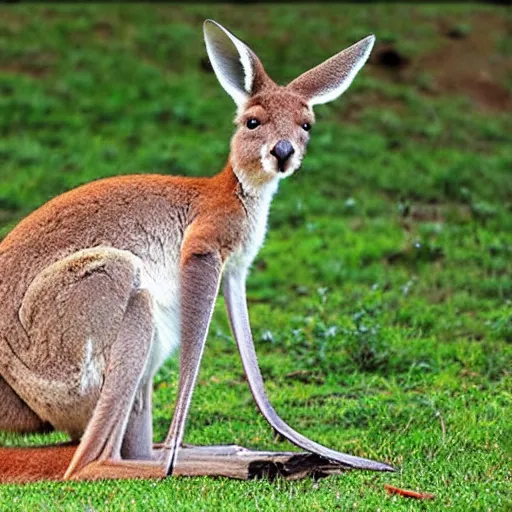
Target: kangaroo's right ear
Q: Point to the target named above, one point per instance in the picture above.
(330, 79)
(236, 66)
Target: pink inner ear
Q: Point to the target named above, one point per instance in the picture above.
(330, 79)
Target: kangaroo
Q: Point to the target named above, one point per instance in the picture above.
(100, 285)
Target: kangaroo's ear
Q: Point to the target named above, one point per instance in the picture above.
(236, 66)
(330, 79)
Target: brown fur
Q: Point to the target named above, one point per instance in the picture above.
(84, 278)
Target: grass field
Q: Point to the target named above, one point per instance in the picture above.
(381, 302)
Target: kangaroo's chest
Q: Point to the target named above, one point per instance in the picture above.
(161, 278)
(254, 233)
(251, 244)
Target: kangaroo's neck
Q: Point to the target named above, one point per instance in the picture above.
(256, 204)
(255, 195)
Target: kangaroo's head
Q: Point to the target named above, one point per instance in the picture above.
(273, 122)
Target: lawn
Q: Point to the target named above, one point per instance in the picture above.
(381, 303)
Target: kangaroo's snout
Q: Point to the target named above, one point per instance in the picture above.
(282, 151)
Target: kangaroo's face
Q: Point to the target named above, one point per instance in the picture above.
(272, 134)
(273, 122)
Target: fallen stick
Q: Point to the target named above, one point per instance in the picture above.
(406, 493)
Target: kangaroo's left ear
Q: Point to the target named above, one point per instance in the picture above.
(330, 79)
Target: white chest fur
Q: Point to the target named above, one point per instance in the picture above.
(162, 282)
(257, 208)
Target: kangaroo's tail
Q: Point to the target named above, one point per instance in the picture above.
(22, 465)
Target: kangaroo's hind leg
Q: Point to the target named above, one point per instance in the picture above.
(99, 452)
(138, 438)
(16, 415)
(91, 329)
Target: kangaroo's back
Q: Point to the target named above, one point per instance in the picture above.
(144, 214)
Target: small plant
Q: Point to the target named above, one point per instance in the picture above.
(364, 341)
(500, 324)
(312, 334)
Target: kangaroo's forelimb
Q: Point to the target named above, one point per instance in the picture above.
(200, 280)
(236, 304)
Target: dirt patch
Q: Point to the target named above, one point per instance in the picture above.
(468, 61)
(103, 29)
(13, 19)
(33, 63)
(33, 71)
(473, 64)
(433, 212)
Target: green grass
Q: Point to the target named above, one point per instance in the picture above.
(381, 302)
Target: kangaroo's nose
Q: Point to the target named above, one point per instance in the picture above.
(282, 151)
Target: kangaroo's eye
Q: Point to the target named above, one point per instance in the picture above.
(306, 127)
(252, 123)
